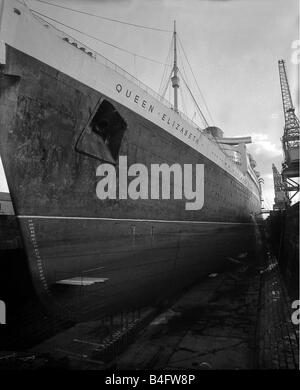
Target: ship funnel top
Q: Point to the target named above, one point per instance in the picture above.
(214, 131)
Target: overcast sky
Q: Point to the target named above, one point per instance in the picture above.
(233, 47)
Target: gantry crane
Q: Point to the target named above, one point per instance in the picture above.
(281, 201)
(290, 139)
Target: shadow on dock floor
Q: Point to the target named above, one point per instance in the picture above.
(237, 319)
(212, 326)
(240, 319)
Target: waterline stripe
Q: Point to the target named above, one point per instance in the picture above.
(132, 220)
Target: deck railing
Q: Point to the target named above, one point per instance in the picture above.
(108, 63)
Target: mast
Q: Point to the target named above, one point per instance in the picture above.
(175, 79)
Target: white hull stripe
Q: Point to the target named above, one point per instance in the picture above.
(132, 220)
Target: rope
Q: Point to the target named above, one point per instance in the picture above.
(201, 113)
(104, 18)
(201, 94)
(100, 40)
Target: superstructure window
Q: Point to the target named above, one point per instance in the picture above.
(102, 137)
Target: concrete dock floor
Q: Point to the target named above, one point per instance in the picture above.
(235, 320)
(212, 326)
(240, 319)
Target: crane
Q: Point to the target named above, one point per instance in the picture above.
(290, 139)
(281, 200)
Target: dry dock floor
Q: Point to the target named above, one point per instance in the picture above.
(212, 326)
(238, 319)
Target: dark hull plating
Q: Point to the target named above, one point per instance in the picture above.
(68, 232)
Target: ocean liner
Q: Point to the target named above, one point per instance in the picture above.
(64, 111)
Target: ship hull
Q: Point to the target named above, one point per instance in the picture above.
(126, 252)
(133, 263)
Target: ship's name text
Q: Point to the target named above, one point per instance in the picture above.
(166, 119)
(163, 182)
